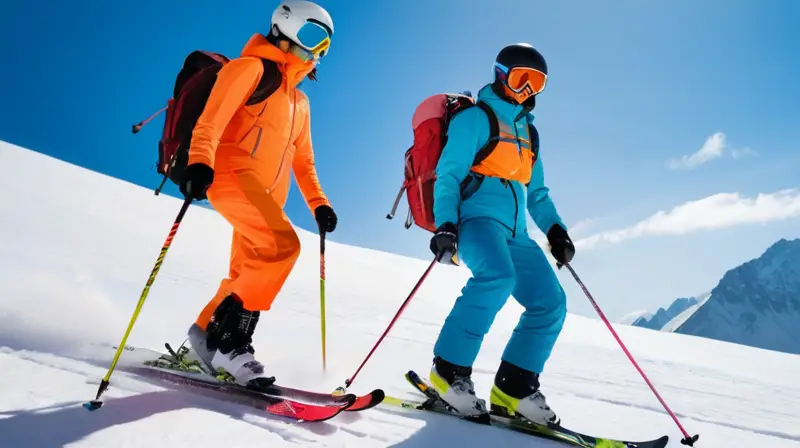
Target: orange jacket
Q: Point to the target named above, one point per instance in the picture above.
(271, 138)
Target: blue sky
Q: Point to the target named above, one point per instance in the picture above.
(632, 87)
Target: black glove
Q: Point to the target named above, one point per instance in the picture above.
(560, 244)
(444, 243)
(196, 180)
(326, 218)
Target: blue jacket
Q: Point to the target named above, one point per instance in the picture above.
(507, 203)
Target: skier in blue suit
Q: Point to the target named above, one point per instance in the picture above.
(480, 215)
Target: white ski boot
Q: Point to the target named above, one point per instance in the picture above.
(225, 348)
(516, 394)
(454, 385)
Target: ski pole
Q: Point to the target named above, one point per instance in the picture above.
(687, 440)
(322, 291)
(96, 403)
(348, 382)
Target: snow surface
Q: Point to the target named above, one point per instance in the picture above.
(78, 247)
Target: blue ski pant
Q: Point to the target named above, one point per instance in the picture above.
(503, 265)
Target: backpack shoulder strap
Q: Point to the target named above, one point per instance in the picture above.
(534, 137)
(195, 62)
(494, 133)
(270, 81)
(533, 134)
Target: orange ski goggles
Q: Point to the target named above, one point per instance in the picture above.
(521, 82)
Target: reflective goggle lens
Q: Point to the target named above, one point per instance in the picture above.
(314, 38)
(301, 53)
(523, 79)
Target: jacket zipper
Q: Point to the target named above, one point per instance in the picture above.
(258, 140)
(260, 130)
(513, 192)
(288, 142)
(507, 183)
(516, 211)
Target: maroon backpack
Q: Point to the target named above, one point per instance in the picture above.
(193, 85)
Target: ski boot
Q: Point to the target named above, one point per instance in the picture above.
(516, 394)
(225, 347)
(454, 386)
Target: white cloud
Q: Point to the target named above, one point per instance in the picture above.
(575, 231)
(713, 148)
(743, 152)
(581, 227)
(713, 212)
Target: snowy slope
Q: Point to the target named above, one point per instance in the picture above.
(755, 304)
(78, 246)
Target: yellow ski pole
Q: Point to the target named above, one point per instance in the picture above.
(96, 403)
(322, 293)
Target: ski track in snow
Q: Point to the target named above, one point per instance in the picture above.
(75, 262)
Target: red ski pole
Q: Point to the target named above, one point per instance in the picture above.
(348, 382)
(687, 440)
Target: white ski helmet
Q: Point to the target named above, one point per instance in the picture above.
(306, 24)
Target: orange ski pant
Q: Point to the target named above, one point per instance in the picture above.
(264, 248)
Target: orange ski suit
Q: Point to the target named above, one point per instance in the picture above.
(253, 149)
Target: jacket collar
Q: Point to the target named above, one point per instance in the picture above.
(293, 68)
(505, 110)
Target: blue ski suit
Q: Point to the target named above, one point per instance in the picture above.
(494, 244)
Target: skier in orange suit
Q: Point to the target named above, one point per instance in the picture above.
(240, 159)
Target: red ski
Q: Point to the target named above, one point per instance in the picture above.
(290, 402)
(272, 404)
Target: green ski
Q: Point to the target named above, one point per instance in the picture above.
(554, 432)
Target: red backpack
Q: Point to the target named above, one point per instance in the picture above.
(193, 85)
(429, 123)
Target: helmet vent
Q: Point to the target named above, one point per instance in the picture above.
(327, 28)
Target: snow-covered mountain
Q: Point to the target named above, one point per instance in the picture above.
(633, 316)
(662, 317)
(755, 304)
(684, 315)
(76, 248)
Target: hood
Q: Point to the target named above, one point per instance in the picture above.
(505, 111)
(294, 69)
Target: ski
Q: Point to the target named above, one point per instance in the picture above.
(177, 367)
(553, 432)
(366, 401)
(363, 402)
(234, 393)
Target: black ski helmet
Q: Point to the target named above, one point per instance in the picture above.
(521, 55)
(517, 55)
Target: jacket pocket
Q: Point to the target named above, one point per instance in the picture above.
(470, 185)
(252, 141)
